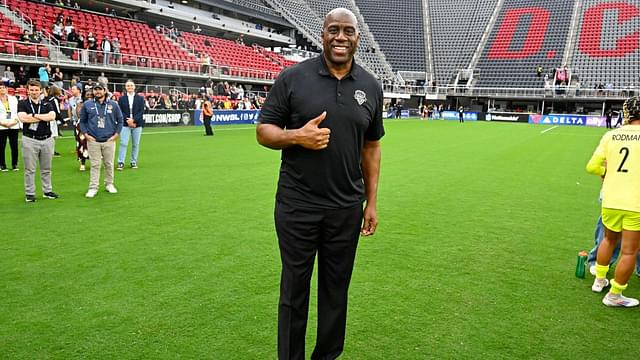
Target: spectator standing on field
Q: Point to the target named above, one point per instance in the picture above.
(101, 122)
(132, 106)
(58, 78)
(37, 143)
(103, 81)
(207, 114)
(75, 104)
(9, 128)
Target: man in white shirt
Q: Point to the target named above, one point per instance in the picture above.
(9, 127)
(106, 50)
(132, 106)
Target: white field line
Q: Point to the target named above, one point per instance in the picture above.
(549, 129)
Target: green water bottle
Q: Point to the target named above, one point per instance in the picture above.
(580, 266)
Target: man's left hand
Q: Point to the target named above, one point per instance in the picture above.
(369, 221)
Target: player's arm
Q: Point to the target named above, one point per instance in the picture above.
(597, 163)
(371, 154)
(50, 116)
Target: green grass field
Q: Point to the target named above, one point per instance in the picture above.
(474, 257)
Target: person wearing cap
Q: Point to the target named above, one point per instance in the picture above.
(617, 161)
(132, 106)
(37, 143)
(75, 104)
(9, 127)
(101, 122)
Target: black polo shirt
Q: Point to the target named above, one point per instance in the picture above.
(332, 177)
(40, 129)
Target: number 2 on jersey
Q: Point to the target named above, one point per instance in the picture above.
(624, 150)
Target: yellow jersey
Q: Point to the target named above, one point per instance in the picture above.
(618, 159)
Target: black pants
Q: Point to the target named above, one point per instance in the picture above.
(608, 123)
(302, 233)
(207, 126)
(12, 135)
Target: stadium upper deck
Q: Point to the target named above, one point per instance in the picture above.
(501, 41)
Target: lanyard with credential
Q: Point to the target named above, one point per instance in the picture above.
(34, 110)
(95, 106)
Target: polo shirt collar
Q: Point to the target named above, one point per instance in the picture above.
(323, 69)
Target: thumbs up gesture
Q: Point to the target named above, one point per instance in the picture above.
(311, 136)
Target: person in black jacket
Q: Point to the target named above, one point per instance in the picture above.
(132, 106)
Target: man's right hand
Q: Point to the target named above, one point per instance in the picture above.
(310, 136)
(131, 123)
(89, 137)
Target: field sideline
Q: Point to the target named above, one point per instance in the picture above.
(474, 258)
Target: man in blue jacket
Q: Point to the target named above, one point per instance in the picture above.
(132, 106)
(101, 122)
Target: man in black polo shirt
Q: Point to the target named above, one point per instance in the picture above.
(37, 143)
(326, 116)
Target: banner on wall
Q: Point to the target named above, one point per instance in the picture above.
(568, 119)
(507, 117)
(453, 115)
(228, 117)
(168, 118)
(404, 114)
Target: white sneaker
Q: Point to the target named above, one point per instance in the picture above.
(91, 193)
(619, 301)
(592, 270)
(111, 189)
(599, 285)
(82, 168)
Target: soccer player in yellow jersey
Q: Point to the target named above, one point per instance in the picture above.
(617, 160)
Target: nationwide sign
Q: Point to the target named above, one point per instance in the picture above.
(509, 117)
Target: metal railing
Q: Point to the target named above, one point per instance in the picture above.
(558, 92)
(19, 50)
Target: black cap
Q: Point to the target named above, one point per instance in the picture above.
(98, 86)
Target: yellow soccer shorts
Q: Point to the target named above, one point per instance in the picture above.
(618, 220)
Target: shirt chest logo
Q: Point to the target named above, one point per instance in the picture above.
(360, 96)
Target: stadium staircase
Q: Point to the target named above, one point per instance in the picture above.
(616, 57)
(473, 66)
(368, 50)
(426, 18)
(234, 59)
(399, 30)
(456, 29)
(309, 22)
(257, 5)
(16, 22)
(539, 30)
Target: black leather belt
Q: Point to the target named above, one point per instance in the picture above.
(37, 137)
